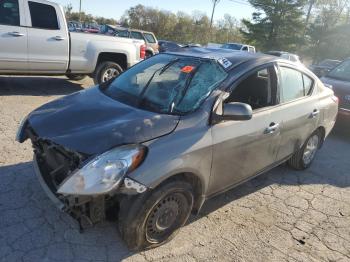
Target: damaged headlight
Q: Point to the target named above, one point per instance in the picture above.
(105, 172)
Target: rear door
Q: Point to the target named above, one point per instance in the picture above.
(299, 109)
(13, 36)
(48, 41)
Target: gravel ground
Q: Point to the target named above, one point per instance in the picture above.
(283, 215)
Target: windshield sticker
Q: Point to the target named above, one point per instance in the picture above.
(187, 69)
(224, 62)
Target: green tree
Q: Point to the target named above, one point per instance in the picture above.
(329, 30)
(276, 24)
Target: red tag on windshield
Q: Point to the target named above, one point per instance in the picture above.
(187, 69)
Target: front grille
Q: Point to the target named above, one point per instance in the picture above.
(56, 163)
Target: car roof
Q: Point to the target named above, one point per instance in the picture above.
(235, 57)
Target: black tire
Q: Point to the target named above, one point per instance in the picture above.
(152, 219)
(103, 68)
(76, 77)
(148, 54)
(297, 161)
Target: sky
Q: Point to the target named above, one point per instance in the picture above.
(116, 8)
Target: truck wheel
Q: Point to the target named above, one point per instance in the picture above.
(154, 218)
(304, 157)
(148, 54)
(76, 77)
(106, 71)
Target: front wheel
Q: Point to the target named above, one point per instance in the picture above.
(152, 220)
(76, 77)
(306, 155)
(107, 71)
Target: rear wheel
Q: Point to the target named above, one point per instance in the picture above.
(107, 71)
(306, 155)
(152, 220)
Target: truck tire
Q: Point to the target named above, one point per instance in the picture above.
(152, 219)
(148, 54)
(76, 77)
(303, 159)
(106, 71)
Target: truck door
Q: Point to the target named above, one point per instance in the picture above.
(48, 39)
(13, 37)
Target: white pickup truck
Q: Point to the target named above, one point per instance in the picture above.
(34, 40)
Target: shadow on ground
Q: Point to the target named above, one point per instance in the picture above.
(37, 86)
(27, 214)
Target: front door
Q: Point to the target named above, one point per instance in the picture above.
(48, 42)
(13, 37)
(241, 149)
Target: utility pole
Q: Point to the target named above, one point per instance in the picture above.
(311, 4)
(80, 11)
(215, 2)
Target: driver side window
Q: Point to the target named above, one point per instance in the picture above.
(258, 89)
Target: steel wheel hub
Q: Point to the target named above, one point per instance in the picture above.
(163, 218)
(310, 149)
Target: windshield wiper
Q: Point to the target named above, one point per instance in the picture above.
(162, 70)
(185, 89)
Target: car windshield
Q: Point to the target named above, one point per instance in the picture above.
(341, 72)
(167, 84)
(232, 46)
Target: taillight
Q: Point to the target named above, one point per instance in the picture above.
(143, 51)
(335, 99)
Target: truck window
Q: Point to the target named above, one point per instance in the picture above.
(9, 12)
(124, 33)
(43, 16)
(150, 38)
(136, 35)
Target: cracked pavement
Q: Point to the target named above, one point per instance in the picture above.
(283, 215)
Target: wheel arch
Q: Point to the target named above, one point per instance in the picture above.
(119, 58)
(322, 131)
(195, 181)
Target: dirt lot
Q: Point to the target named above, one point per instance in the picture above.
(281, 216)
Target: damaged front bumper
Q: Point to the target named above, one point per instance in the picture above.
(87, 210)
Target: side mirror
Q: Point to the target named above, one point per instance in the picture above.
(236, 112)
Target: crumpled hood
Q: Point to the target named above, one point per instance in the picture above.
(90, 122)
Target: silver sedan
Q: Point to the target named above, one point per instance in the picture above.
(174, 131)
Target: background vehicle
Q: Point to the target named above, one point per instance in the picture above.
(239, 47)
(74, 26)
(285, 55)
(150, 39)
(168, 46)
(324, 67)
(190, 125)
(339, 80)
(34, 39)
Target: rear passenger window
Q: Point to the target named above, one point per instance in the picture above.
(43, 16)
(136, 35)
(150, 38)
(9, 12)
(291, 84)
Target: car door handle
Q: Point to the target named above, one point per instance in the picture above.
(59, 38)
(272, 128)
(16, 34)
(315, 113)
